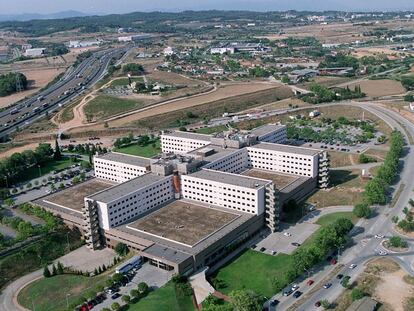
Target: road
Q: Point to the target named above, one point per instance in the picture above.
(364, 244)
(69, 87)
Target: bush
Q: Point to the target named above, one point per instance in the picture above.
(366, 159)
(362, 210)
(134, 69)
(397, 241)
(121, 249)
(357, 294)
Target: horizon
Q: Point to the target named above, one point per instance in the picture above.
(105, 7)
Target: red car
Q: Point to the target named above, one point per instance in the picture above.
(333, 262)
(310, 282)
(317, 304)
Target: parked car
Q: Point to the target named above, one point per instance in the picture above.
(295, 244)
(317, 304)
(352, 266)
(333, 262)
(310, 282)
(262, 249)
(339, 276)
(287, 234)
(274, 302)
(295, 287)
(115, 296)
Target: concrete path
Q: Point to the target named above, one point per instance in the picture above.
(366, 166)
(202, 288)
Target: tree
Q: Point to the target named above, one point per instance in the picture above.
(121, 249)
(126, 298)
(109, 282)
(134, 293)
(57, 155)
(325, 304)
(134, 69)
(243, 300)
(357, 294)
(9, 202)
(54, 270)
(29, 185)
(143, 288)
(46, 272)
(362, 210)
(115, 306)
(60, 268)
(117, 277)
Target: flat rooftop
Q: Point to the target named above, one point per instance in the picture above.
(279, 180)
(183, 222)
(125, 159)
(189, 135)
(286, 148)
(265, 129)
(228, 178)
(120, 190)
(219, 152)
(73, 198)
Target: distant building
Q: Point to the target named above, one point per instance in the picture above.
(169, 51)
(26, 47)
(235, 47)
(301, 74)
(134, 38)
(83, 44)
(38, 52)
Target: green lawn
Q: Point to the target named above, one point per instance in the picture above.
(49, 294)
(48, 167)
(146, 152)
(163, 299)
(212, 130)
(254, 270)
(105, 106)
(125, 81)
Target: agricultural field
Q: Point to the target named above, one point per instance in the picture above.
(378, 88)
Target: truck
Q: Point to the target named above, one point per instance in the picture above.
(130, 264)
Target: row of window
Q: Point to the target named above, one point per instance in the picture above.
(188, 181)
(196, 198)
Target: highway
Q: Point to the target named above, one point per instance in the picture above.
(364, 244)
(74, 82)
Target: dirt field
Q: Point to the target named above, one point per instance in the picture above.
(377, 88)
(222, 92)
(372, 51)
(37, 78)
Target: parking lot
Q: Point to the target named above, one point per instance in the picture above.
(281, 242)
(153, 276)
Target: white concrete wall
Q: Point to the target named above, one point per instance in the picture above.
(226, 195)
(116, 171)
(123, 209)
(180, 145)
(235, 162)
(284, 162)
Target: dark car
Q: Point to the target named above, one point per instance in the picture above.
(339, 276)
(274, 302)
(327, 285)
(115, 296)
(297, 294)
(295, 244)
(262, 249)
(317, 304)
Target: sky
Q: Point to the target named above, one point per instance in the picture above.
(124, 6)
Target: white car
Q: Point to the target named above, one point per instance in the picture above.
(379, 236)
(287, 234)
(382, 253)
(352, 266)
(295, 287)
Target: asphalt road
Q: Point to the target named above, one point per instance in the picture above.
(70, 86)
(364, 244)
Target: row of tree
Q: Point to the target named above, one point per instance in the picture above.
(14, 168)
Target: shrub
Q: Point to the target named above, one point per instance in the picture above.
(362, 210)
(357, 294)
(397, 241)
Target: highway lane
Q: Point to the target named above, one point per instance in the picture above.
(84, 76)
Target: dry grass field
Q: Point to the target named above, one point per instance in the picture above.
(37, 78)
(377, 88)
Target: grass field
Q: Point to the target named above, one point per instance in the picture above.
(347, 189)
(105, 106)
(163, 299)
(146, 152)
(49, 294)
(256, 271)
